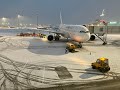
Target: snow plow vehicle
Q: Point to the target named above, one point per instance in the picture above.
(101, 64)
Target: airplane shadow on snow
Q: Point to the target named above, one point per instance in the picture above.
(39, 46)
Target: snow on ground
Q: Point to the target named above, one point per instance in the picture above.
(36, 58)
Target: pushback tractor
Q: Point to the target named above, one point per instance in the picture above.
(101, 64)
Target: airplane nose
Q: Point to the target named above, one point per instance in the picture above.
(87, 37)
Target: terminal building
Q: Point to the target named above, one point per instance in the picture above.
(101, 28)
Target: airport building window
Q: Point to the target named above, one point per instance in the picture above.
(101, 29)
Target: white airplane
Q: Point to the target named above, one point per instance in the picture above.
(78, 33)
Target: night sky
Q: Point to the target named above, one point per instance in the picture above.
(73, 11)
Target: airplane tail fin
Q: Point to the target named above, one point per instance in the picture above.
(61, 19)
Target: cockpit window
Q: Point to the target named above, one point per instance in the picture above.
(84, 31)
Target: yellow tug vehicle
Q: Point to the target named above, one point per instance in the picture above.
(101, 64)
(71, 47)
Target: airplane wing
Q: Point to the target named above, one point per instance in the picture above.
(56, 32)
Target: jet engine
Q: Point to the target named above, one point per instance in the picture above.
(92, 37)
(50, 37)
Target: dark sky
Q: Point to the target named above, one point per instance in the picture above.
(73, 11)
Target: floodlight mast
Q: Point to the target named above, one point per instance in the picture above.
(37, 20)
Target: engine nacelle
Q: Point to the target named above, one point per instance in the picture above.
(92, 37)
(50, 37)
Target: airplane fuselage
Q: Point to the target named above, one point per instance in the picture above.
(77, 33)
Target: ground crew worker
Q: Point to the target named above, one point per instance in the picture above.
(66, 50)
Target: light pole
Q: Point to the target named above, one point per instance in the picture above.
(18, 17)
(37, 21)
(4, 21)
